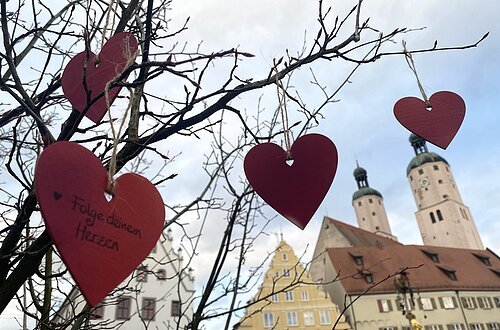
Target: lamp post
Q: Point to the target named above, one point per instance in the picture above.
(404, 291)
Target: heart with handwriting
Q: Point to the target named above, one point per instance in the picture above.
(100, 241)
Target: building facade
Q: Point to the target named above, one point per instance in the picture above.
(449, 283)
(288, 299)
(157, 295)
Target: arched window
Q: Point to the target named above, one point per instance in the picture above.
(433, 219)
(440, 216)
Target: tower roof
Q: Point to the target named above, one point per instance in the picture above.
(361, 177)
(423, 158)
(422, 155)
(365, 191)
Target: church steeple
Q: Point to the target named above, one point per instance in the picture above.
(442, 216)
(368, 204)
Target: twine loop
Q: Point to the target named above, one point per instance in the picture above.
(281, 92)
(411, 64)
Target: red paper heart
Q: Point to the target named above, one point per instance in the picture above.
(112, 61)
(297, 190)
(100, 242)
(439, 125)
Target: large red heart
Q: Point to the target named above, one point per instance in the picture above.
(439, 125)
(100, 242)
(296, 190)
(113, 59)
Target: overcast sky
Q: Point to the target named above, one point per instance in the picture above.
(362, 124)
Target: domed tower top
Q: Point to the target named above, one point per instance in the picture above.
(369, 206)
(422, 155)
(361, 177)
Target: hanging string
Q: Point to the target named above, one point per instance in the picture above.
(280, 89)
(111, 186)
(411, 64)
(106, 22)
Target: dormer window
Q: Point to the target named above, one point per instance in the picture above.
(367, 276)
(358, 259)
(432, 255)
(484, 259)
(450, 272)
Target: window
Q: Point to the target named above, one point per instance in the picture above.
(358, 260)
(484, 259)
(432, 255)
(277, 274)
(274, 297)
(456, 326)
(449, 272)
(476, 326)
(284, 256)
(433, 327)
(370, 200)
(408, 306)
(286, 273)
(388, 328)
(484, 302)
(468, 302)
(379, 202)
(161, 274)
(97, 312)
(427, 304)
(142, 274)
(305, 296)
(435, 167)
(291, 318)
(384, 305)
(492, 326)
(308, 318)
(411, 178)
(439, 215)
(497, 301)
(324, 317)
(359, 204)
(289, 296)
(420, 171)
(268, 320)
(448, 302)
(148, 309)
(123, 308)
(440, 181)
(374, 214)
(433, 219)
(176, 308)
(368, 278)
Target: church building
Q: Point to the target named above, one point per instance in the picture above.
(449, 283)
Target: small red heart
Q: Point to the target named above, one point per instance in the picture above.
(113, 59)
(439, 125)
(297, 190)
(100, 242)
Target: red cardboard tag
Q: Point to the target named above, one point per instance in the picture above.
(439, 125)
(113, 59)
(100, 242)
(296, 190)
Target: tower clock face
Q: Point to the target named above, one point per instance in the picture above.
(424, 182)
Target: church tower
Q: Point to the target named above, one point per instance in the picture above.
(369, 206)
(443, 218)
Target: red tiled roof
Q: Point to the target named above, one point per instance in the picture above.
(470, 271)
(359, 237)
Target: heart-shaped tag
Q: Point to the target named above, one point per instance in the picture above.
(296, 190)
(440, 124)
(100, 242)
(113, 58)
